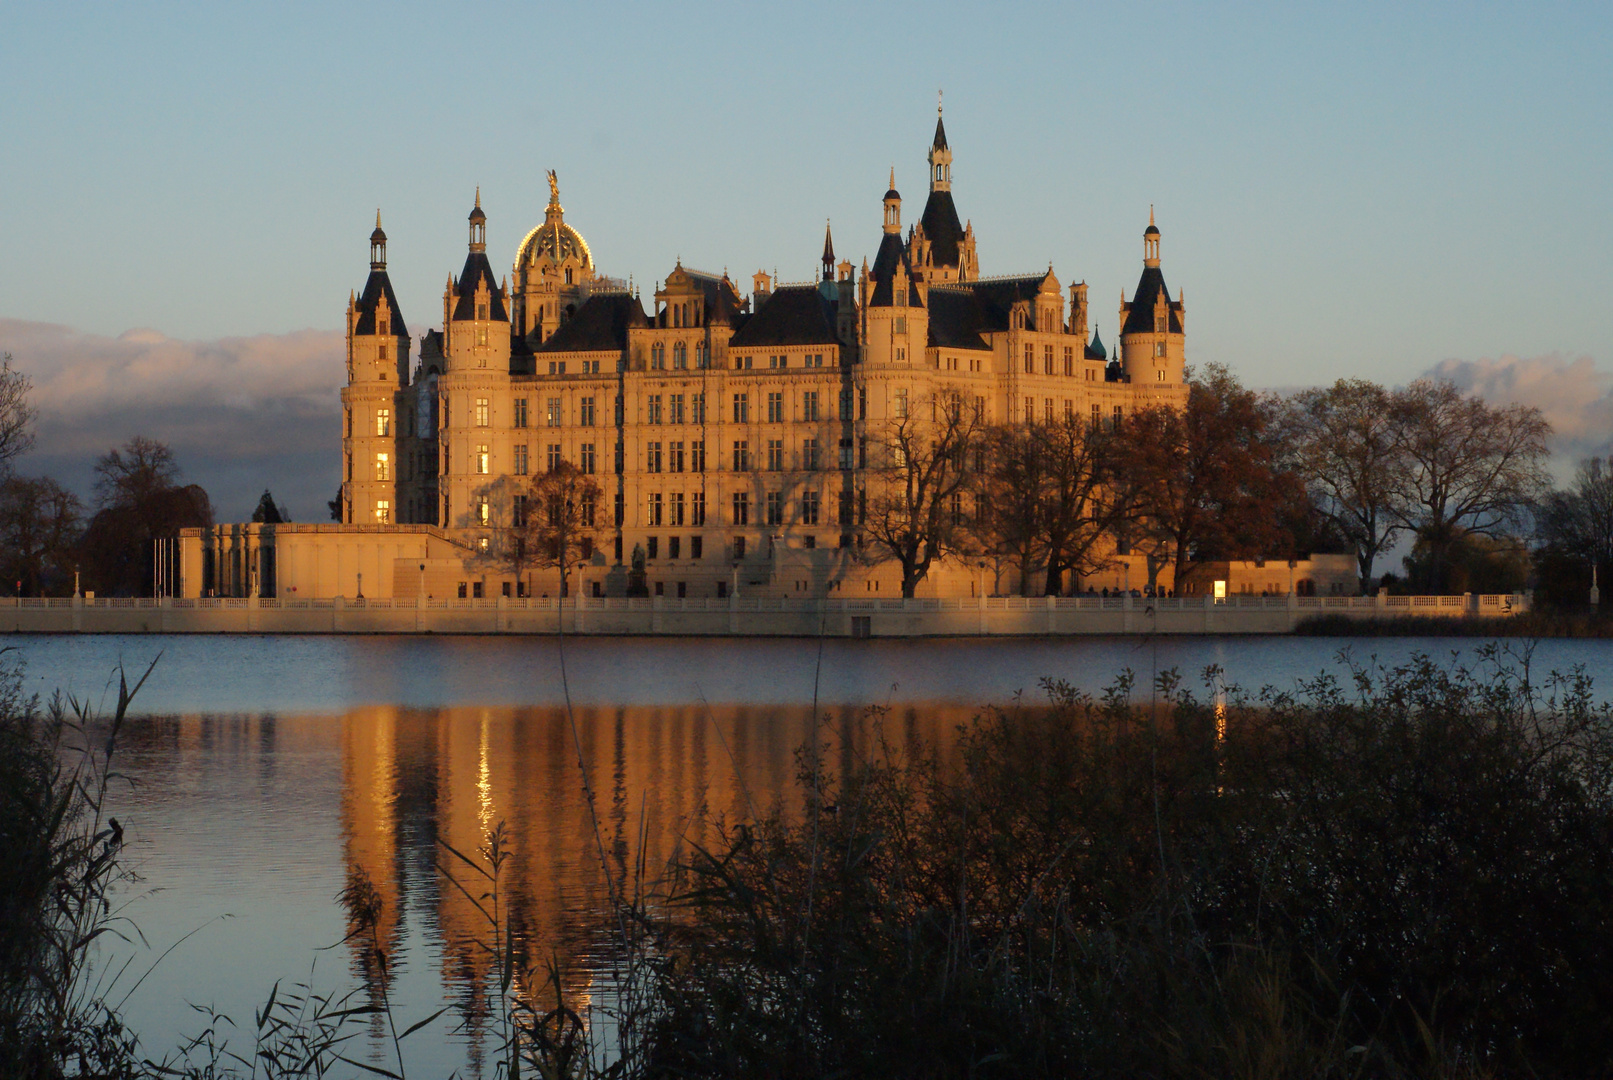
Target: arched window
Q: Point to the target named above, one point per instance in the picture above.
(680, 356)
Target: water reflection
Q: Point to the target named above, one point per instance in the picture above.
(411, 782)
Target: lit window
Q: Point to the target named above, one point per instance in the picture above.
(653, 509)
(901, 403)
(1159, 376)
(383, 512)
(481, 459)
(383, 421)
(481, 412)
(383, 466)
(554, 412)
(482, 516)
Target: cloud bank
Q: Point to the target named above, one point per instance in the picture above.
(1575, 396)
(241, 414)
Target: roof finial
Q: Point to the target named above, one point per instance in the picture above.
(1150, 213)
(938, 103)
(478, 194)
(377, 217)
(893, 178)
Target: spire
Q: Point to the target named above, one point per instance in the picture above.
(940, 141)
(893, 207)
(478, 224)
(377, 245)
(828, 253)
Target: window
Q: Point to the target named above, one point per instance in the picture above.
(775, 455)
(383, 327)
(481, 412)
(845, 454)
(676, 500)
(680, 356)
(702, 355)
(815, 360)
(620, 514)
(1047, 359)
(845, 403)
(481, 311)
(809, 507)
(741, 408)
(652, 550)
(554, 412)
(673, 543)
(739, 552)
(383, 511)
(1160, 323)
(1159, 348)
(652, 409)
(481, 339)
(481, 459)
(554, 458)
(619, 411)
(1117, 418)
(653, 515)
(1097, 415)
(482, 514)
(809, 455)
(741, 456)
(558, 367)
(1030, 410)
(697, 512)
(383, 466)
(741, 509)
(775, 508)
(383, 422)
(1069, 360)
(809, 405)
(697, 408)
(955, 507)
(862, 451)
(518, 511)
(657, 356)
(775, 408)
(1047, 410)
(1069, 410)
(585, 412)
(674, 456)
(846, 500)
(652, 457)
(697, 456)
(862, 402)
(520, 412)
(585, 458)
(1092, 376)
(675, 409)
(1030, 359)
(741, 363)
(696, 544)
(586, 508)
(1159, 376)
(778, 361)
(901, 403)
(520, 459)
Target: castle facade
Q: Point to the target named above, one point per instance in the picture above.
(729, 433)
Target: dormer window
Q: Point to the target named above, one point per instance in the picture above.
(568, 275)
(384, 327)
(1160, 323)
(481, 312)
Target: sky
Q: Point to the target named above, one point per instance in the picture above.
(1366, 190)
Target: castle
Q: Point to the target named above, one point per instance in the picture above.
(729, 434)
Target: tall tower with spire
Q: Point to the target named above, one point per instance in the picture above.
(474, 399)
(377, 373)
(942, 248)
(1152, 325)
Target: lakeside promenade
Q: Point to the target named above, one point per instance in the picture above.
(1005, 616)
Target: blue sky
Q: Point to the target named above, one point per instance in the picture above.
(1343, 190)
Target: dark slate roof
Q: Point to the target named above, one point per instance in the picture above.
(721, 298)
(793, 315)
(477, 269)
(377, 286)
(600, 325)
(955, 319)
(940, 142)
(892, 253)
(942, 228)
(1140, 320)
(997, 298)
(1095, 349)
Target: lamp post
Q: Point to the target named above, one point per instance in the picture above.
(1596, 594)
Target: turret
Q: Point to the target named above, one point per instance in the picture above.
(940, 156)
(377, 373)
(893, 208)
(1152, 336)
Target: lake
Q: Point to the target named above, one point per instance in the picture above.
(264, 770)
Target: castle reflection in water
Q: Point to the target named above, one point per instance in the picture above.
(414, 781)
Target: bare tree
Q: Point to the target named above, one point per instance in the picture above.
(1343, 440)
(1577, 523)
(131, 474)
(138, 485)
(916, 511)
(558, 521)
(39, 528)
(1050, 499)
(16, 414)
(1206, 478)
(1471, 468)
